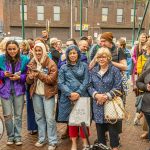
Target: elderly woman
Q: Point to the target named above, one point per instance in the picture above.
(105, 79)
(72, 82)
(42, 75)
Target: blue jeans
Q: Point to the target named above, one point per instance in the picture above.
(44, 115)
(13, 107)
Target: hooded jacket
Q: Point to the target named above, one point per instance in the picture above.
(72, 78)
(47, 74)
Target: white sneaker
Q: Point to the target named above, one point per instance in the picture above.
(51, 147)
(18, 143)
(10, 142)
(39, 144)
(136, 121)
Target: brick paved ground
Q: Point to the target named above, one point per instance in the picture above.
(130, 137)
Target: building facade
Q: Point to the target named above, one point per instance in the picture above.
(62, 17)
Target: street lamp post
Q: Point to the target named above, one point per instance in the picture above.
(22, 7)
(81, 17)
(133, 30)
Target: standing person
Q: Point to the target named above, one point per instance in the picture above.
(118, 60)
(138, 50)
(122, 45)
(45, 36)
(83, 46)
(73, 83)
(143, 84)
(13, 74)
(53, 49)
(105, 79)
(42, 75)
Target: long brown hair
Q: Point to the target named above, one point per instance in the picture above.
(8, 57)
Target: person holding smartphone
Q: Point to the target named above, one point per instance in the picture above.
(42, 76)
(13, 75)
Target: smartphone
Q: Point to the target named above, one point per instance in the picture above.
(18, 73)
(32, 68)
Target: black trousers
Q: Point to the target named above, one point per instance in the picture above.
(113, 133)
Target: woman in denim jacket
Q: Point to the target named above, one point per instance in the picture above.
(72, 82)
(105, 80)
(12, 90)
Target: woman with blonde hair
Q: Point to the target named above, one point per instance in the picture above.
(105, 82)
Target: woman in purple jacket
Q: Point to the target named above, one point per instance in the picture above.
(12, 90)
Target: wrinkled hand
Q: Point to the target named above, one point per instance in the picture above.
(8, 74)
(101, 98)
(148, 87)
(74, 96)
(15, 77)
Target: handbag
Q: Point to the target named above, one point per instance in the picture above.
(81, 112)
(138, 103)
(114, 110)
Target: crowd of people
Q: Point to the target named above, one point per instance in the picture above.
(43, 74)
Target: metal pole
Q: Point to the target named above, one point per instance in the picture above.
(133, 30)
(71, 28)
(139, 29)
(23, 33)
(80, 18)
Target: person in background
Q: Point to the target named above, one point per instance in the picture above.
(53, 49)
(45, 37)
(105, 80)
(74, 73)
(138, 50)
(3, 46)
(59, 46)
(83, 46)
(42, 75)
(121, 43)
(95, 47)
(13, 67)
(25, 48)
(90, 41)
(31, 123)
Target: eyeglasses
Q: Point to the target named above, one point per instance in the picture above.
(10, 49)
(102, 57)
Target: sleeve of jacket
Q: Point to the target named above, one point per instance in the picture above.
(51, 77)
(61, 83)
(140, 82)
(139, 64)
(92, 91)
(85, 83)
(2, 74)
(23, 75)
(117, 86)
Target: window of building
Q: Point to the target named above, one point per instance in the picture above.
(104, 14)
(119, 15)
(76, 13)
(56, 13)
(40, 12)
(25, 12)
(86, 14)
(132, 14)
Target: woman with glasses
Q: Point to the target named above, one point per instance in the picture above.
(12, 90)
(105, 82)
